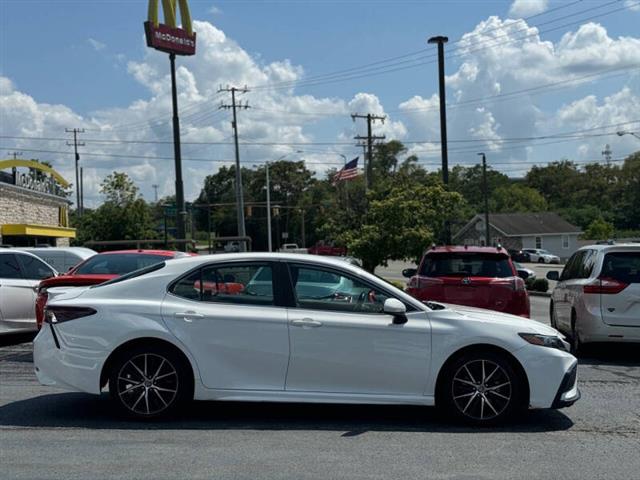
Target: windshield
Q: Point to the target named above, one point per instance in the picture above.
(117, 263)
(466, 265)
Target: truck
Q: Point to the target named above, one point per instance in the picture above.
(323, 248)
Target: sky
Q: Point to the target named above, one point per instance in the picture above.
(528, 82)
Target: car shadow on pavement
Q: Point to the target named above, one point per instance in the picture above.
(623, 354)
(77, 410)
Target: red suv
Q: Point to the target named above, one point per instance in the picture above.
(100, 268)
(482, 277)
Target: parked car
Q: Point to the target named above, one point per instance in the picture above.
(158, 343)
(100, 268)
(322, 248)
(597, 297)
(62, 259)
(232, 246)
(524, 272)
(519, 256)
(20, 274)
(539, 255)
(482, 277)
(292, 248)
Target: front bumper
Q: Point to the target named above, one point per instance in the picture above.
(568, 393)
(547, 370)
(59, 365)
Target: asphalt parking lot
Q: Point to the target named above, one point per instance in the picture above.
(48, 433)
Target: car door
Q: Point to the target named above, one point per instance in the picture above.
(562, 292)
(17, 295)
(238, 335)
(342, 342)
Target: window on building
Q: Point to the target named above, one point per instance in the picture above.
(538, 242)
(565, 241)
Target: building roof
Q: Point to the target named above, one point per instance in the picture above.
(523, 224)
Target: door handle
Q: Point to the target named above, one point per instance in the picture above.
(306, 323)
(189, 316)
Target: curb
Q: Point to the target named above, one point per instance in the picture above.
(539, 294)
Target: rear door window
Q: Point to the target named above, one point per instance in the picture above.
(9, 267)
(622, 266)
(466, 265)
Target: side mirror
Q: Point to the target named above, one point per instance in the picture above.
(395, 307)
(553, 275)
(523, 274)
(409, 272)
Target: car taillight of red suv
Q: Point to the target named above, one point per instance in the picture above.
(482, 277)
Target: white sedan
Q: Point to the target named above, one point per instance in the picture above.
(293, 328)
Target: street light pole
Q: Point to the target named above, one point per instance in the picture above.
(440, 41)
(269, 240)
(626, 132)
(485, 193)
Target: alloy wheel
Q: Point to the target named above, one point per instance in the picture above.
(147, 384)
(481, 390)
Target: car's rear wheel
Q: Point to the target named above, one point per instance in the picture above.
(149, 382)
(541, 260)
(482, 389)
(576, 344)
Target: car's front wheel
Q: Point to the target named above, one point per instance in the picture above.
(149, 381)
(482, 389)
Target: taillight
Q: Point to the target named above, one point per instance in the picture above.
(519, 285)
(605, 286)
(64, 314)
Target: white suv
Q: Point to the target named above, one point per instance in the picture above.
(597, 298)
(539, 255)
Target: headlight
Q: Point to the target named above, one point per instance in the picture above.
(550, 341)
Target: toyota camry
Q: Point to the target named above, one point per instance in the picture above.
(294, 328)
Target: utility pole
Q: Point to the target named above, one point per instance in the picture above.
(81, 191)
(440, 41)
(15, 155)
(371, 118)
(234, 123)
(607, 153)
(155, 192)
(485, 194)
(269, 235)
(76, 144)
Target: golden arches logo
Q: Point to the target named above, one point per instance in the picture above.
(34, 165)
(167, 36)
(169, 9)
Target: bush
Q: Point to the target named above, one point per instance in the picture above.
(397, 284)
(538, 284)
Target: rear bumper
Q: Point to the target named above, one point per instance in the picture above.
(58, 365)
(591, 328)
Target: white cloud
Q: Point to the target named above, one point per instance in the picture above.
(97, 45)
(632, 5)
(525, 8)
(213, 10)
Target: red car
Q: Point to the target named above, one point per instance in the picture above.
(321, 248)
(100, 268)
(482, 277)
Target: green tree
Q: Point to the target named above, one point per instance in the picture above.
(401, 224)
(123, 216)
(599, 229)
(516, 198)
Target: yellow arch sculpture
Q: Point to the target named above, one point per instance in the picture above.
(36, 166)
(169, 8)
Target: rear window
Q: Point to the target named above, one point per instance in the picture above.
(117, 263)
(134, 274)
(623, 266)
(466, 265)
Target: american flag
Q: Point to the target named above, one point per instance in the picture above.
(349, 171)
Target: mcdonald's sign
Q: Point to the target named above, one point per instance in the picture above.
(167, 37)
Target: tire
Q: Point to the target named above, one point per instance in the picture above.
(469, 399)
(151, 381)
(541, 260)
(553, 320)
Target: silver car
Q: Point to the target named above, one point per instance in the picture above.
(20, 274)
(597, 298)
